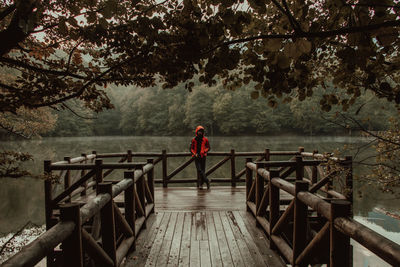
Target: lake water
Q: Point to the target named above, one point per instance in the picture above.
(22, 199)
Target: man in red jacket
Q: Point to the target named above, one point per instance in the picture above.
(199, 148)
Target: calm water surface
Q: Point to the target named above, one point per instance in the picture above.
(22, 200)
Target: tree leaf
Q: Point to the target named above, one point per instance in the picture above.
(304, 46)
(273, 45)
(255, 94)
(283, 62)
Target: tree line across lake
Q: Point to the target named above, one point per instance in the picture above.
(157, 111)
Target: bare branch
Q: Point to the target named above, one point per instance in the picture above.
(295, 25)
(76, 114)
(12, 131)
(362, 128)
(371, 5)
(14, 235)
(7, 12)
(17, 63)
(80, 92)
(313, 35)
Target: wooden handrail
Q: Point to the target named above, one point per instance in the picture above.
(90, 166)
(186, 154)
(74, 186)
(43, 245)
(335, 214)
(217, 165)
(34, 252)
(384, 248)
(180, 168)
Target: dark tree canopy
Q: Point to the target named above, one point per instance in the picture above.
(57, 50)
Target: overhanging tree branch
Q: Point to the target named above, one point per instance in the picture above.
(314, 35)
(81, 90)
(76, 114)
(7, 11)
(15, 32)
(285, 10)
(17, 63)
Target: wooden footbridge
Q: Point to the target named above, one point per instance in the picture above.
(283, 207)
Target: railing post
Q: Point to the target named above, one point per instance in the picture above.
(329, 184)
(299, 168)
(99, 171)
(83, 172)
(300, 221)
(72, 245)
(274, 206)
(95, 153)
(129, 156)
(301, 150)
(349, 178)
(267, 154)
(259, 187)
(249, 181)
(339, 252)
(164, 168)
(48, 197)
(140, 187)
(314, 171)
(48, 193)
(150, 179)
(108, 222)
(233, 168)
(129, 199)
(67, 178)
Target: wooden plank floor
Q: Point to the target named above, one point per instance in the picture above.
(202, 238)
(194, 227)
(193, 199)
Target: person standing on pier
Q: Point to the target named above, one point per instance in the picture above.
(199, 148)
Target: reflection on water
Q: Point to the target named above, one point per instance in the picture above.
(22, 200)
(382, 224)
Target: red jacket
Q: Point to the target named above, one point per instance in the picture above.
(205, 145)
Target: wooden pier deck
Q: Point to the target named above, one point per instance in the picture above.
(194, 227)
(130, 222)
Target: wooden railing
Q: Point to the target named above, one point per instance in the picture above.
(95, 228)
(226, 158)
(302, 225)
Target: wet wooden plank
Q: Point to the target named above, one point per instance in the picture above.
(205, 257)
(197, 236)
(144, 242)
(256, 255)
(213, 241)
(193, 199)
(261, 241)
(222, 242)
(246, 256)
(173, 257)
(155, 249)
(201, 232)
(162, 259)
(232, 244)
(194, 244)
(184, 254)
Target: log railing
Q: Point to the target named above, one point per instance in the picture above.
(302, 225)
(98, 230)
(230, 157)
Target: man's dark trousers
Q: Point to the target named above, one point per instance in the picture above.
(201, 169)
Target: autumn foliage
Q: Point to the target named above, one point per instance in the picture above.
(73, 49)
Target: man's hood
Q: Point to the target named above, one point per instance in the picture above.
(199, 128)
